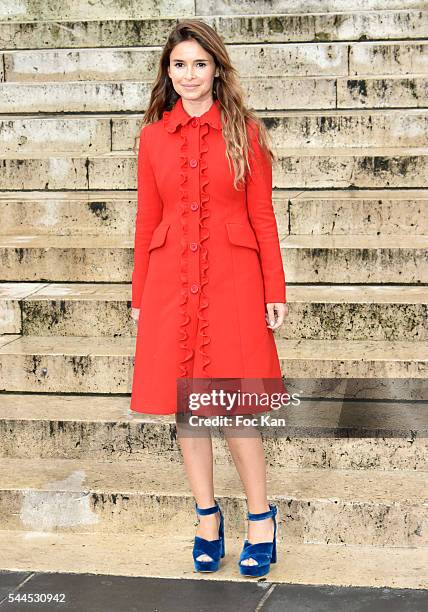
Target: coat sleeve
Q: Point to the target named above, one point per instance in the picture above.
(148, 216)
(262, 219)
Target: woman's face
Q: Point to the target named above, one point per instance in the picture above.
(192, 71)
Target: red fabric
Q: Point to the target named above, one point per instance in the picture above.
(206, 260)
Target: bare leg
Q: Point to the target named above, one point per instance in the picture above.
(197, 455)
(248, 456)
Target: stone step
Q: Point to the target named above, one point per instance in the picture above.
(107, 213)
(350, 168)
(365, 92)
(302, 168)
(302, 93)
(279, 28)
(133, 555)
(307, 259)
(71, 364)
(74, 309)
(354, 211)
(58, 135)
(323, 312)
(77, 213)
(98, 134)
(342, 129)
(382, 508)
(67, 258)
(359, 59)
(237, 7)
(355, 259)
(33, 11)
(388, 58)
(319, 433)
(30, 10)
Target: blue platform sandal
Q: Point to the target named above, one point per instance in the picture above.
(264, 553)
(213, 548)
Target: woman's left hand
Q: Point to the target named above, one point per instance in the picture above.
(281, 312)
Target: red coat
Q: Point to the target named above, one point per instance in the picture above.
(206, 260)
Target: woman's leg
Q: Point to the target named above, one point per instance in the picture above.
(246, 447)
(197, 453)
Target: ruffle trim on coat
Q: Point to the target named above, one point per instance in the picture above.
(166, 121)
(185, 319)
(204, 235)
(184, 296)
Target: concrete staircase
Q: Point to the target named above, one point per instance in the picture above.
(88, 486)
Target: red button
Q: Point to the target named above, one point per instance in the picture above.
(193, 163)
(193, 246)
(195, 122)
(194, 288)
(194, 206)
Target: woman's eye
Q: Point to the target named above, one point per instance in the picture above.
(179, 64)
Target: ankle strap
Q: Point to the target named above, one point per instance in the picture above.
(259, 516)
(204, 511)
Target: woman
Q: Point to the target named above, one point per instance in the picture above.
(208, 284)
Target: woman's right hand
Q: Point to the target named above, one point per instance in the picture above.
(135, 313)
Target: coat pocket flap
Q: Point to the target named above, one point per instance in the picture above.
(242, 234)
(159, 235)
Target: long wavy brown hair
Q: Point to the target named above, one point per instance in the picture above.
(226, 88)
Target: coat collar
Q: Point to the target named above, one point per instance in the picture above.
(179, 116)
